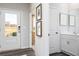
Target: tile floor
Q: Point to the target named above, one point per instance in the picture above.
(59, 54)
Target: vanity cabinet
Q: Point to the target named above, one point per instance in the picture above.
(70, 44)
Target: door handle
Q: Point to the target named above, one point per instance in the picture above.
(19, 28)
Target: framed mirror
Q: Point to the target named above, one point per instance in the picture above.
(72, 20)
(63, 18)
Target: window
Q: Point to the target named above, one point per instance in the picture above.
(10, 25)
(72, 20)
(63, 19)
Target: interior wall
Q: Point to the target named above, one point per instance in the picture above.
(42, 43)
(23, 8)
(54, 39)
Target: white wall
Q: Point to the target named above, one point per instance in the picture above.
(24, 17)
(14, 6)
(41, 43)
(54, 39)
(25, 29)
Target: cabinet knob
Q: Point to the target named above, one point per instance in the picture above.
(56, 32)
(48, 34)
(68, 42)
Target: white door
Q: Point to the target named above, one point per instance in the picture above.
(54, 41)
(10, 30)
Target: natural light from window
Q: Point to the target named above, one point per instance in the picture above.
(10, 25)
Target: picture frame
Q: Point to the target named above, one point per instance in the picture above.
(39, 28)
(39, 12)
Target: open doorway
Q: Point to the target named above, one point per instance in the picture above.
(33, 31)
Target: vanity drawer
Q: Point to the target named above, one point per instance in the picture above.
(68, 36)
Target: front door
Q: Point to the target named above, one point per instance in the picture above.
(9, 30)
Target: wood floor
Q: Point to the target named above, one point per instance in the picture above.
(19, 52)
(27, 52)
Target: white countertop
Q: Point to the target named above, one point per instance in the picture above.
(68, 34)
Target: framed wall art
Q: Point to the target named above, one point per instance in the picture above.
(39, 12)
(39, 28)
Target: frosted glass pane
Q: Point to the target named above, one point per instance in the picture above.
(72, 20)
(64, 19)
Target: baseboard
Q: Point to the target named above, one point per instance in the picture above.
(12, 50)
(54, 53)
(9, 50)
(62, 51)
(67, 53)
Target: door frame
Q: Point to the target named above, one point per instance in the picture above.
(33, 18)
(31, 21)
(30, 35)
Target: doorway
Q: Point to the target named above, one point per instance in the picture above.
(33, 31)
(10, 30)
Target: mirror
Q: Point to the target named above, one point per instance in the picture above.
(72, 20)
(63, 19)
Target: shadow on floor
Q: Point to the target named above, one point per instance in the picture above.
(59, 54)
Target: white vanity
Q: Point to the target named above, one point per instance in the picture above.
(70, 43)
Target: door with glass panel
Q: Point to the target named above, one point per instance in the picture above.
(10, 30)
